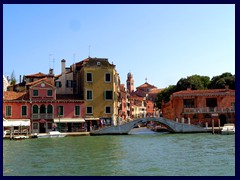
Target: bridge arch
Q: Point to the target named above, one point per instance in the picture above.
(139, 121)
(171, 125)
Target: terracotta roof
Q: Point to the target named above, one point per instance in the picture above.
(155, 91)
(147, 85)
(13, 95)
(46, 79)
(37, 75)
(202, 92)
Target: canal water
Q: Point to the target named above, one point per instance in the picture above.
(142, 153)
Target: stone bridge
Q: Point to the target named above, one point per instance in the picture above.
(172, 126)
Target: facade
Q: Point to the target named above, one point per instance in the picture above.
(64, 82)
(124, 107)
(46, 110)
(202, 106)
(98, 85)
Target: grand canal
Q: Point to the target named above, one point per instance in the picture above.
(143, 153)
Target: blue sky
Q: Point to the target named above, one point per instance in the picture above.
(160, 42)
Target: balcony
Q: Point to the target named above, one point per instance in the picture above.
(42, 116)
(208, 110)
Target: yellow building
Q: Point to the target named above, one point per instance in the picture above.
(98, 84)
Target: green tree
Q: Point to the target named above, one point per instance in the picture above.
(194, 82)
(225, 79)
(164, 95)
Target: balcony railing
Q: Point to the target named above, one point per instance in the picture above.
(42, 116)
(208, 110)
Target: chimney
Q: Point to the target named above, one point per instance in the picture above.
(51, 71)
(20, 79)
(63, 65)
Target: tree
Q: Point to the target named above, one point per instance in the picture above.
(194, 82)
(13, 79)
(223, 80)
(164, 95)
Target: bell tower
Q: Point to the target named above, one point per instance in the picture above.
(130, 83)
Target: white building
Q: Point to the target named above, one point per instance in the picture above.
(5, 83)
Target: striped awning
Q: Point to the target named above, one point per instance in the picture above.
(69, 120)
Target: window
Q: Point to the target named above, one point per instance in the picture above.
(107, 77)
(89, 110)
(8, 110)
(108, 95)
(77, 110)
(188, 103)
(58, 84)
(89, 77)
(69, 83)
(49, 109)
(49, 92)
(35, 92)
(24, 110)
(60, 110)
(211, 102)
(42, 109)
(108, 110)
(35, 109)
(89, 94)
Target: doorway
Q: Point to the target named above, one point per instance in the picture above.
(223, 119)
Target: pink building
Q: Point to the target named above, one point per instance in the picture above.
(46, 111)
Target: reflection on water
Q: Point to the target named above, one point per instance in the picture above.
(143, 153)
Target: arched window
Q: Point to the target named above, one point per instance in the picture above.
(49, 109)
(42, 109)
(35, 109)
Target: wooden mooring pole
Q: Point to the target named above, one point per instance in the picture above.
(212, 126)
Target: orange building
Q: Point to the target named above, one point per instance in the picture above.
(201, 106)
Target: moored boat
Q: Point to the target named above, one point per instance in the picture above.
(51, 134)
(228, 129)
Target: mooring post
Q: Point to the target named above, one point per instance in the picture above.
(188, 120)
(182, 120)
(212, 126)
(219, 129)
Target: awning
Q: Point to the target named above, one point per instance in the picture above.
(69, 120)
(16, 122)
(88, 119)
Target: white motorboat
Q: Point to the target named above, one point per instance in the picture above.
(228, 129)
(51, 134)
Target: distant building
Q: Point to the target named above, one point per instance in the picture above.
(124, 100)
(64, 82)
(201, 106)
(142, 101)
